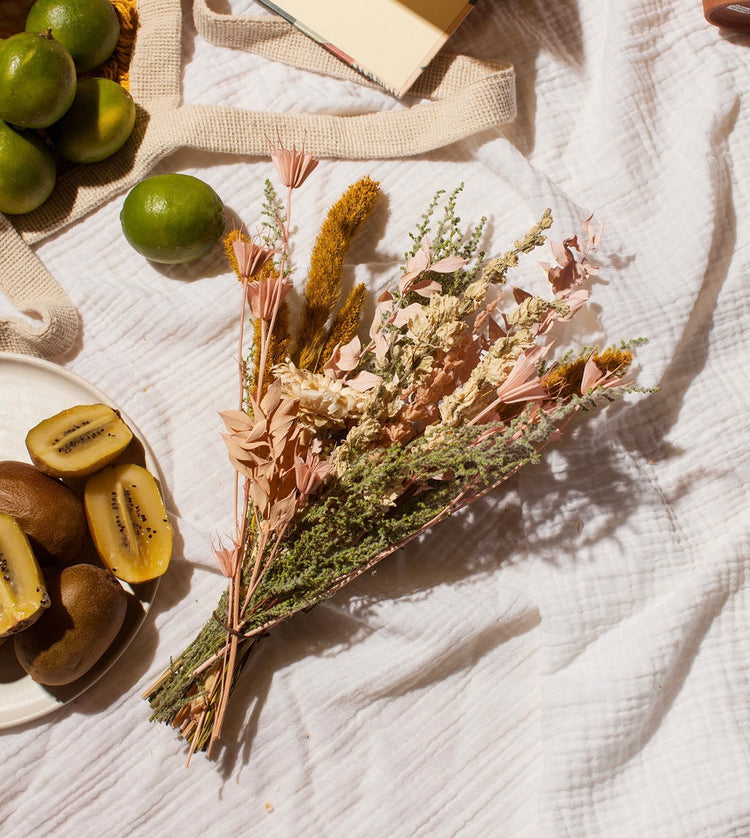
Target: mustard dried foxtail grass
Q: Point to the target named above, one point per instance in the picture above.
(323, 287)
(345, 325)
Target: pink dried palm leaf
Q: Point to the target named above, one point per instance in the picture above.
(593, 377)
(293, 167)
(264, 296)
(227, 557)
(251, 257)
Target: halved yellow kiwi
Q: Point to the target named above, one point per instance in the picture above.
(78, 441)
(23, 596)
(128, 522)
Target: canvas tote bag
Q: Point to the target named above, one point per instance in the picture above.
(464, 96)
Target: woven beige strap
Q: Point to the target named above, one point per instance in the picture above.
(275, 38)
(467, 96)
(53, 320)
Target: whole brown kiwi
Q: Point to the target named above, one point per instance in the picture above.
(87, 611)
(48, 511)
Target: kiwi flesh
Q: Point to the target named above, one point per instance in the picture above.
(128, 522)
(87, 612)
(78, 441)
(23, 595)
(48, 511)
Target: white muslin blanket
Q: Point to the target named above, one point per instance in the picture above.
(570, 656)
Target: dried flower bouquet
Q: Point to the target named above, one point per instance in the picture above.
(345, 449)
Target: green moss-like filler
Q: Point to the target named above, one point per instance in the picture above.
(350, 527)
(448, 239)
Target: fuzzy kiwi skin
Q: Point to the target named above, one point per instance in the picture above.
(48, 511)
(87, 612)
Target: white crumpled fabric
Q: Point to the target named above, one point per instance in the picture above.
(571, 657)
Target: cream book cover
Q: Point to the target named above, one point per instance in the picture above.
(389, 41)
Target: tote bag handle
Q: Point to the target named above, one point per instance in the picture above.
(465, 96)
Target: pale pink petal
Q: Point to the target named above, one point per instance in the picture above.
(593, 378)
(380, 346)
(522, 382)
(343, 358)
(426, 287)
(310, 473)
(227, 557)
(236, 420)
(591, 375)
(382, 312)
(363, 381)
(420, 261)
(405, 315)
(593, 235)
(265, 296)
(448, 265)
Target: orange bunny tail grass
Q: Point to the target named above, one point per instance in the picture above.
(228, 244)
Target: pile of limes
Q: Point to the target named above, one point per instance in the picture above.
(46, 109)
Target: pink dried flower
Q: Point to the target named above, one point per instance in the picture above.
(251, 257)
(258, 443)
(311, 471)
(593, 377)
(363, 381)
(294, 167)
(570, 272)
(344, 358)
(421, 262)
(522, 383)
(227, 557)
(264, 296)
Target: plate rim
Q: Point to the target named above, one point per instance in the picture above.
(47, 702)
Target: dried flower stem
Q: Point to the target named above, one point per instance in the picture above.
(240, 525)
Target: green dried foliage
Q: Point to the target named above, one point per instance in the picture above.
(496, 269)
(347, 529)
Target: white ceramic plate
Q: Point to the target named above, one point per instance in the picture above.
(32, 390)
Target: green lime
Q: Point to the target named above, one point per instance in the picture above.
(89, 29)
(27, 170)
(172, 218)
(97, 124)
(37, 80)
